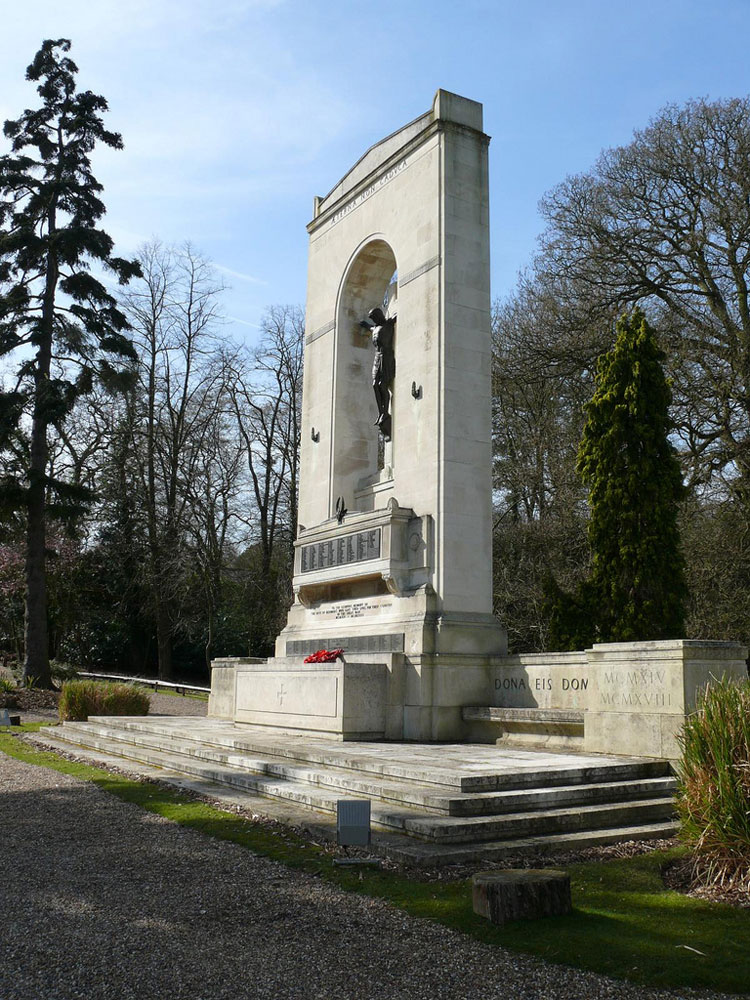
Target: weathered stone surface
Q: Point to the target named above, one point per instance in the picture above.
(444, 802)
(412, 555)
(633, 697)
(521, 894)
(221, 701)
(643, 691)
(344, 699)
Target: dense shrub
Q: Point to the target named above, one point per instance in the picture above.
(714, 784)
(80, 699)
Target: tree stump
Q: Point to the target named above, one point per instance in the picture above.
(521, 894)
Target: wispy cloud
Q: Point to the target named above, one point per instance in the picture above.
(198, 89)
(242, 277)
(243, 322)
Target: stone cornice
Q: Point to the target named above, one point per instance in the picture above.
(385, 171)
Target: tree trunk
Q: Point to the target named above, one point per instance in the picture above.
(164, 644)
(521, 894)
(36, 662)
(210, 639)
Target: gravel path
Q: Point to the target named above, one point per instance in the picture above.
(161, 704)
(176, 704)
(99, 899)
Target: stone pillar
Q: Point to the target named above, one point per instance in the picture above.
(642, 691)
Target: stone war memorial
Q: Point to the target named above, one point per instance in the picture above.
(470, 752)
(393, 557)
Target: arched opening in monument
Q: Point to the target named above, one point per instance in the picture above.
(362, 456)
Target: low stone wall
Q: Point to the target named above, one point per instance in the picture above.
(542, 680)
(643, 691)
(635, 695)
(221, 700)
(343, 700)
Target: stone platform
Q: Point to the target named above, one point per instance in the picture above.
(431, 803)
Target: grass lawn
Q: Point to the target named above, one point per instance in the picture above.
(624, 924)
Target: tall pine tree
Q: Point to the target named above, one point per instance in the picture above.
(637, 588)
(56, 318)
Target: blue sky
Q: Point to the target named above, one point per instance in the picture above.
(235, 113)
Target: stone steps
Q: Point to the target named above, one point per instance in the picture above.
(530, 728)
(400, 792)
(455, 829)
(384, 815)
(525, 803)
(414, 852)
(387, 815)
(415, 763)
(407, 850)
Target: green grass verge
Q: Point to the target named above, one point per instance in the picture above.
(625, 923)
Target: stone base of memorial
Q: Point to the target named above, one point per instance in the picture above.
(627, 698)
(339, 700)
(643, 691)
(363, 585)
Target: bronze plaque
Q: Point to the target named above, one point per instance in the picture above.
(360, 547)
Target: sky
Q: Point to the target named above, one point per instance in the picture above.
(235, 113)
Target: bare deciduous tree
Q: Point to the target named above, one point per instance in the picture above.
(266, 398)
(665, 221)
(216, 501)
(174, 313)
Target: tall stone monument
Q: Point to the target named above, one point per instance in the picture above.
(393, 557)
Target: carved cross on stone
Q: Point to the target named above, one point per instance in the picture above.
(281, 694)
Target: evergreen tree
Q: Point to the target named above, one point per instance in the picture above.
(55, 316)
(636, 589)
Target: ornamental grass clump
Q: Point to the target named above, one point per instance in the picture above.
(80, 699)
(713, 797)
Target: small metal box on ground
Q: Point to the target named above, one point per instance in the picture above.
(353, 822)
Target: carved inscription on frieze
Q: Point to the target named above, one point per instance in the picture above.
(640, 688)
(541, 683)
(368, 191)
(360, 547)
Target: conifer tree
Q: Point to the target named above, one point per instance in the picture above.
(56, 318)
(636, 589)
